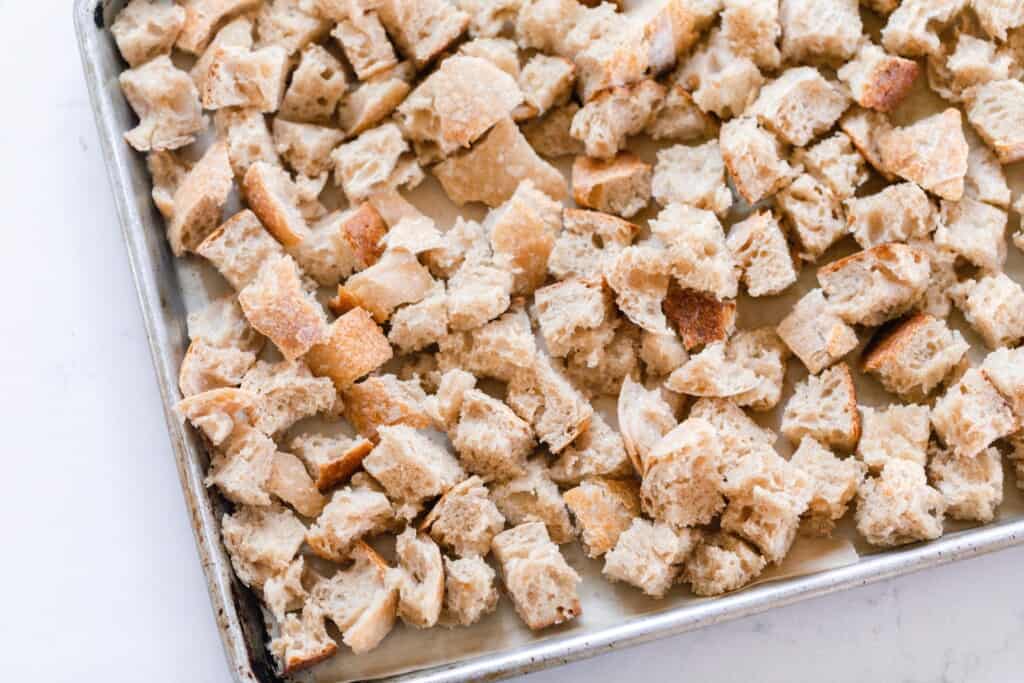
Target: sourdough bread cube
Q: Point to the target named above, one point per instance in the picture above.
(682, 485)
(544, 397)
(421, 579)
(278, 306)
(374, 163)
(371, 103)
(752, 29)
(222, 324)
(994, 306)
(241, 77)
(317, 85)
(522, 234)
(767, 495)
(478, 292)
(411, 467)
(974, 230)
(207, 367)
(287, 392)
(538, 579)
(303, 641)
(866, 129)
(815, 334)
(588, 243)
(877, 284)
(330, 460)
(754, 159)
(678, 118)
(692, 175)
(545, 25)
(828, 31)
(491, 440)
(916, 356)
(239, 247)
(720, 81)
(998, 17)
(495, 167)
(465, 520)
(241, 470)
(1016, 457)
(598, 452)
(546, 81)
(445, 405)
(261, 541)
(340, 243)
(550, 134)
(365, 43)
(351, 514)
(384, 401)
(469, 591)
(972, 487)
(737, 433)
(167, 172)
(661, 353)
(912, 29)
(501, 52)
(285, 24)
(458, 103)
(721, 563)
(604, 123)
(621, 185)
(898, 506)
(144, 30)
(713, 373)
(500, 349)
(417, 326)
(813, 215)
(650, 556)
(1005, 370)
(764, 255)
(799, 105)
(835, 162)
(422, 29)
(533, 497)
(824, 407)
(219, 413)
(834, 483)
(237, 32)
(994, 110)
(573, 315)
(290, 482)
(931, 152)
(971, 415)
(943, 280)
(306, 147)
(199, 200)
(607, 355)
(603, 510)
(878, 80)
(352, 347)
(899, 213)
(397, 278)
(895, 433)
(973, 62)
(644, 418)
(167, 103)
(248, 138)
(274, 197)
(696, 249)
(985, 179)
(202, 17)
(762, 352)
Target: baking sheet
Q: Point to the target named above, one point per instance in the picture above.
(614, 614)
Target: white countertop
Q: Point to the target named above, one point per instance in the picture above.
(101, 579)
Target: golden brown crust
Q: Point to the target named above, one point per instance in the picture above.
(341, 470)
(701, 318)
(883, 252)
(277, 306)
(889, 84)
(354, 346)
(263, 203)
(593, 180)
(295, 664)
(364, 230)
(888, 341)
(375, 403)
(851, 405)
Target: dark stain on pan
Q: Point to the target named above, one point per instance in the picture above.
(97, 15)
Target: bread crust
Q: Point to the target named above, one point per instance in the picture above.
(701, 318)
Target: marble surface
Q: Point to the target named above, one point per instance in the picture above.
(100, 579)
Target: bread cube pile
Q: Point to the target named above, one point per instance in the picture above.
(459, 366)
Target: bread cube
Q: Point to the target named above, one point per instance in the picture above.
(972, 487)
(287, 392)
(971, 415)
(598, 452)
(760, 247)
(898, 506)
(533, 497)
(975, 231)
(222, 324)
(242, 77)
(812, 30)
(365, 44)
(713, 372)
(752, 29)
(501, 52)
(682, 485)
(274, 197)
(248, 138)
(603, 510)
(549, 134)
(799, 105)
(767, 495)
(351, 514)
(538, 579)
(491, 440)
(931, 152)
(546, 81)
(458, 103)
(912, 29)
(815, 334)
(421, 579)
(834, 483)
(397, 278)
(374, 163)
(384, 401)
(492, 171)
(1005, 370)
(866, 129)
(570, 313)
(144, 30)
(352, 346)
(499, 349)
(277, 306)
(237, 32)
(916, 356)
(824, 407)
(899, 213)
(998, 17)
(340, 243)
(754, 159)
(836, 163)
(678, 118)
(994, 306)
(290, 482)
(417, 326)
(589, 241)
(199, 199)
(876, 284)
(661, 353)
(371, 103)
(993, 110)
(649, 555)
(522, 231)
(644, 418)
(469, 591)
(489, 18)
(477, 293)
(692, 175)
(543, 396)
(285, 24)
(207, 367)
(696, 250)
(722, 563)
(411, 467)
(262, 542)
(897, 432)
(422, 29)
(167, 172)
(737, 433)
(219, 413)
(317, 85)
(465, 520)
(306, 147)
(943, 280)
(604, 359)
(241, 469)
(878, 80)
(303, 641)
(621, 185)
(985, 179)
(604, 123)
(720, 81)
(331, 461)
(202, 17)
(813, 215)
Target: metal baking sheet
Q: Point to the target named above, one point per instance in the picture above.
(167, 291)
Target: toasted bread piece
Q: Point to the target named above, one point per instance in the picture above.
(760, 247)
(876, 284)
(738, 434)
(277, 305)
(799, 105)
(501, 52)
(824, 407)
(973, 61)
(813, 215)
(994, 306)
(573, 315)
(722, 370)
(167, 170)
(351, 514)
(549, 135)
(649, 555)
(199, 200)
(998, 17)
(835, 162)
(222, 324)
(397, 278)
(532, 566)
(546, 81)
(815, 334)
(866, 129)
(878, 80)
(916, 356)
(597, 452)
(351, 347)
(972, 487)
(469, 591)
(598, 368)
(678, 118)
(384, 401)
(752, 29)
(533, 497)
(834, 483)
(491, 440)
(974, 230)
(943, 280)
(202, 17)
(219, 413)
(812, 30)
(261, 541)
(603, 510)
(994, 111)
(341, 243)
(303, 641)
(899, 213)
(722, 563)
(754, 159)
(699, 317)
(931, 152)
(644, 418)
(971, 415)
(495, 167)
(411, 467)
(1004, 370)
(317, 85)
(985, 179)
(661, 353)
(242, 77)
(241, 469)
(557, 410)
(500, 349)
(274, 197)
(696, 250)
(422, 29)
(290, 482)
(371, 103)
(248, 138)
(365, 43)
(898, 506)
(604, 123)
(682, 484)
(895, 433)
(416, 326)
(207, 367)
(285, 24)
(478, 292)
(237, 32)
(589, 241)
(331, 460)
(421, 584)
(144, 30)
(306, 147)
(692, 175)
(287, 392)
(490, 18)
(465, 520)
(374, 163)
(621, 185)
(522, 234)
(912, 29)
(720, 81)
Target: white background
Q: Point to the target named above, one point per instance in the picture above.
(99, 577)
